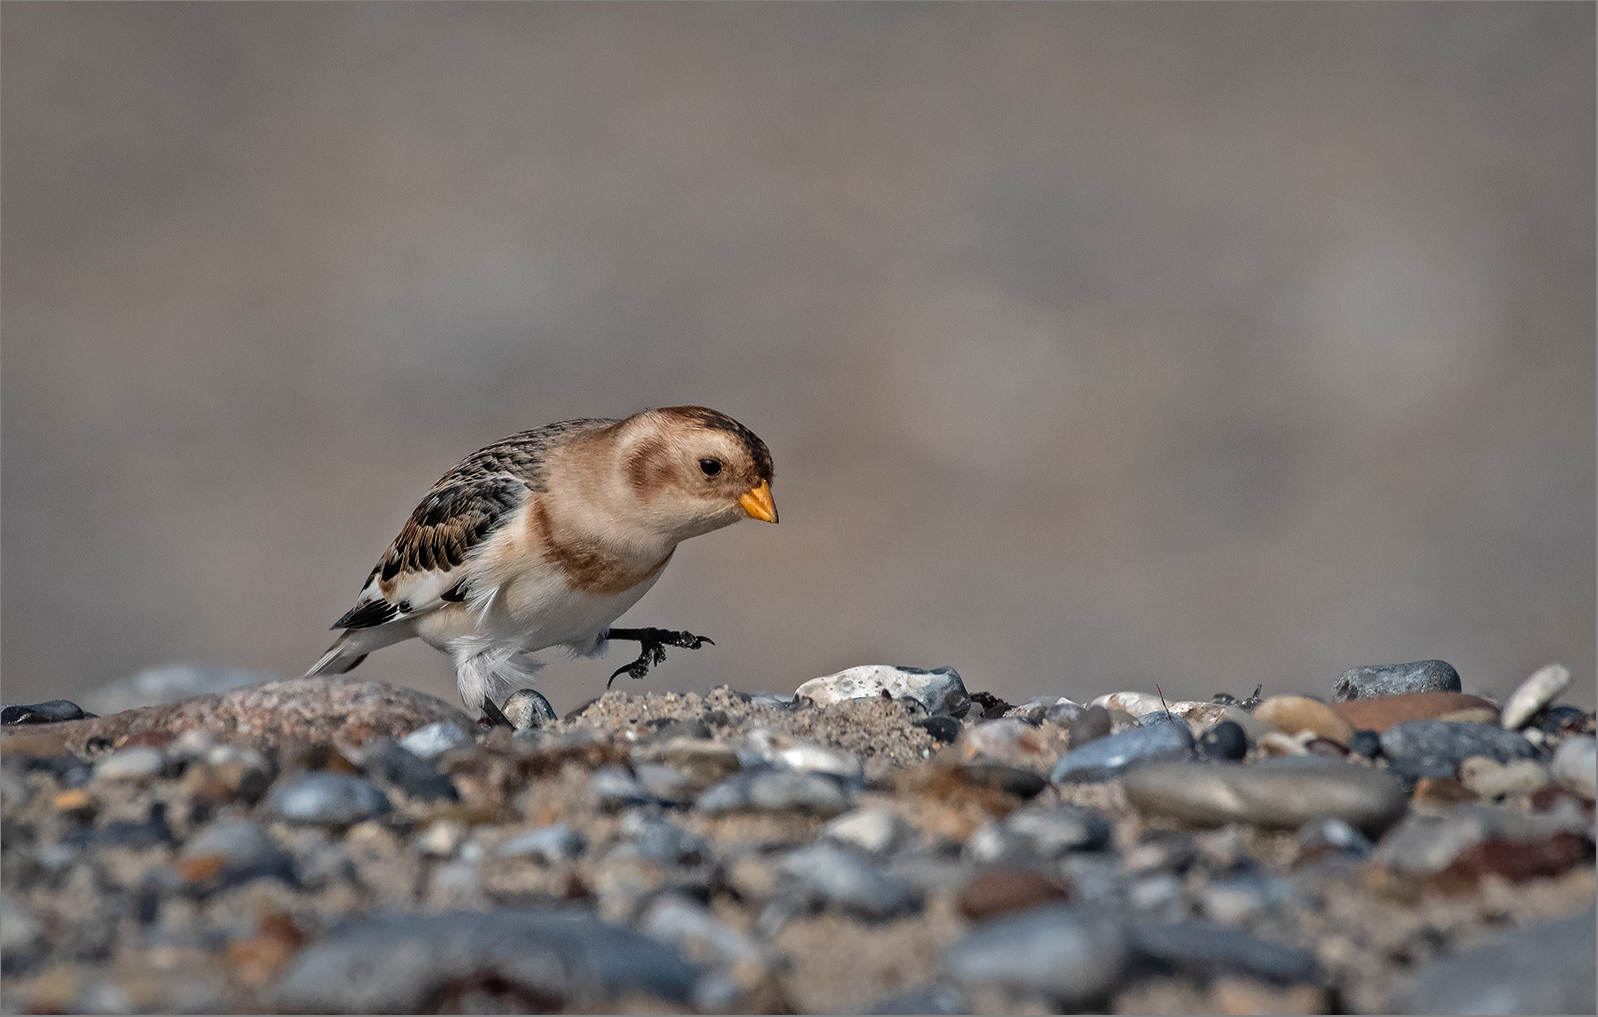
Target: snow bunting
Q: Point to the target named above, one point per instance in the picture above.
(546, 537)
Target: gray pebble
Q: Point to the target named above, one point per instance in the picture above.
(1323, 833)
(545, 845)
(326, 798)
(1039, 835)
(1453, 742)
(1111, 756)
(1070, 955)
(1543, 969)
(402, 963)
(1207, 949)
(527, 709)
(831, 878)
(663, 840)
(434, 739)
(1283, 793)
(777, 791)
(1372, 680)
(407, 771)
(247, 852)
(615, 788)
(130, 764)
(875, 831)
(1090, 725)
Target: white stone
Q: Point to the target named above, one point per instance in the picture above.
(1135, 703)
(1536, 692)
(433, 739)
(808, 757)
(877, 831)
(1576, 766)
(940, 690)
(130, 764)
(442, 839)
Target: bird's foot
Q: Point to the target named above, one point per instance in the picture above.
(652, 648)
(493, 716)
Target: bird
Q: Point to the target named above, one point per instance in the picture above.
(544, 538)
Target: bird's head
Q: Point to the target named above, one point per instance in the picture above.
(696, 469)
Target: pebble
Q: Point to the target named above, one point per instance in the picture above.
(777, 791)
(663, 840)
(1382, 713)
(1017, 781)
(1492, 779)
(130, 764)
(1575, 766)
(998, 890)
(1039, 835)
(1007, 740)
(1135, 703)
(701, 760)
(243, 852)
(827, 876)
(545, 845)
(1207, 949)
(13, 714)
(679, 922)
(794, 754)
(939, 690)
(1224, 741)
(1292, 714)
(1425, 844)
(1423, 740)
(433, 739)
(1560, 719)
(1035, 710)
(876, 831)
(1276, 793)
(1365, 743)
(527, 709)
(1372, 680)
(614, 788)
(1091, 725)
(941, 727)
(332, 799)
(1534, 694)
(404, 963)
(1550, 968)
(1234, 900)
(1322, 835)
(1109, 757)
(407, 771)
(1069, 955)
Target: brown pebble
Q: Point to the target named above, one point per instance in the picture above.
(1292, 714)
(1383, 712)
(1442, 791)
(995, 891)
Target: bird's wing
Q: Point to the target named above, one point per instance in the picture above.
(423, 569)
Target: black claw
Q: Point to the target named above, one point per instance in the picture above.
(652, 648)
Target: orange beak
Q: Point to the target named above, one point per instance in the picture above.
(757, 502)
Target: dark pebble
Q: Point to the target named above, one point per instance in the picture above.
(1365, 743)
(1563, 719)
(1093, 724)
(1107, 758)
(1207, 949)
(41, 713)
(122, 833)
(1448, 740)
(1225, 740)
(941, 727)
(992, 705)
(409, 772)
(1012, 780)
(1371, 680)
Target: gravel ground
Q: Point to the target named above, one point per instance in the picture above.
(738, 852)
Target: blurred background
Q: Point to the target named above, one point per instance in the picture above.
(1098, 346)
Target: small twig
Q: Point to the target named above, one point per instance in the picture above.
(1167, 709)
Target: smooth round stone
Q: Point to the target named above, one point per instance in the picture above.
(1441, 739)
(527, 709)
(1535, 693)
(1069, 955)
(1380, 714)
(327, 798)
(1550, 968)
(939, 690)
(434, 739)
(1112, 756)
(1372, 680)
(1224, 741)
(777, 791)
(1575, 766)
(1091, 725)
(1292, 714)
(546, 845)
(1280, 793)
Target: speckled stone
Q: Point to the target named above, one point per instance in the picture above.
(1372, 680)
(1536, 692)
(939, 690)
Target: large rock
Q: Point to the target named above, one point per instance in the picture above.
(939, 690)
(1544, 969)
(541, 961)
(1281, 793)
(266, 717)
(1372, 680)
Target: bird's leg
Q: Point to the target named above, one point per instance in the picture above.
(652, 644)
(493, 716)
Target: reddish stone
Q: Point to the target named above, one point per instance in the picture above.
(995, 891)
(265, 717)
(1383, 712)
(1515, 860)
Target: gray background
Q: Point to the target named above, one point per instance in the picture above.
(1097, 346)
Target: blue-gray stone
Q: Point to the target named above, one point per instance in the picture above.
(334, 799)
(1543, 969)
(407, 771)
(615, 788)
(1453, 741)
(832, 878)
(777, 791)
(1109, 757)
(1371, 680)
(663, 840)
(1207, 949)
(546, 845)
(403, 963)
(1070, 955)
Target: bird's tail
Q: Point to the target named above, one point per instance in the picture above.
(342, 656)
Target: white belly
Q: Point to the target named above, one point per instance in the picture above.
(529, 613)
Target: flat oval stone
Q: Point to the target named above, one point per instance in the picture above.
(940, 690)
(1536, 692)
(1293, 714)
(1441, 739)
(839, 880)
(1382, 713)
(1281, 793)
(1069, 955)
(777, 791)
(329, 798)
(1109, 757)
(1371, 680)
(1206, 948)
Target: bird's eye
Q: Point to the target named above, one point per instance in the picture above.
(710, 466)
